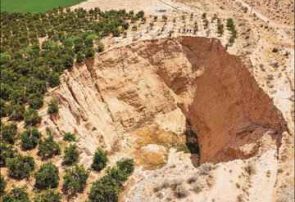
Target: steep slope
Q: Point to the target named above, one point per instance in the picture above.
(125, 88)
(138, 101)
(229, 109)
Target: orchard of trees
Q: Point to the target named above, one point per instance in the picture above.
(35, 50)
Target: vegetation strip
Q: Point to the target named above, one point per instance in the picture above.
(35, 5)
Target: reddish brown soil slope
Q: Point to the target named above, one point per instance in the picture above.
(229, 109)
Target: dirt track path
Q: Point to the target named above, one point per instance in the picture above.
(279, 28)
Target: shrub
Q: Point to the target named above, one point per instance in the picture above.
(52, 107)
(89, 53)
(108, 187)
(140, 14)
(80, 57)
(104, 190)
(30, 138)
(99, 160)
(47, 177)
(122, 170)
(16, 195)
(71, 155)
(48, 148)
(20, 167)
(8, 133)
(126, 166)
(53, 79)
(231, 27)
(180, 192)
(75, 180)
(31, 117)
(48, 196)
(35, 101)
(100, 47)
(2, 185)
(7, 151)
(16, 112)
(70, 137)
(220, 28)
(230, 24)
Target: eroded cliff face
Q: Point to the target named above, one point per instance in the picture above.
(229, 110)
(138, 100)
(127, 88)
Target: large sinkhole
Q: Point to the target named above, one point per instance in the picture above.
(126, 88)
(228, 109)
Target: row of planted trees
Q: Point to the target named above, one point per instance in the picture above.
(36, 48)
(47, 177)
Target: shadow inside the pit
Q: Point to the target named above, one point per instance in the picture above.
(192, 144)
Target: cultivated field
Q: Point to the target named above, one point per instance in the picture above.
(34, 5)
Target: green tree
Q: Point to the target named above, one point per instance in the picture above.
(47, 177)
(16, 112)
(52, 107)
(48, 196)
(35, 101)
(7, 152)
(31, 117)
(123, 169)
(99, 160)
(48, 148)
(8, 133)
(140, 14)
(30, 138)
(104, 190)
(108, 187)
(89, 53)
(16, 195)
(70, 137)
(71, 155)
(230, 24)
(75, 180)
(53, 79)
(126, 166)
(20, 167)
(68, 61)
(80, 57)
